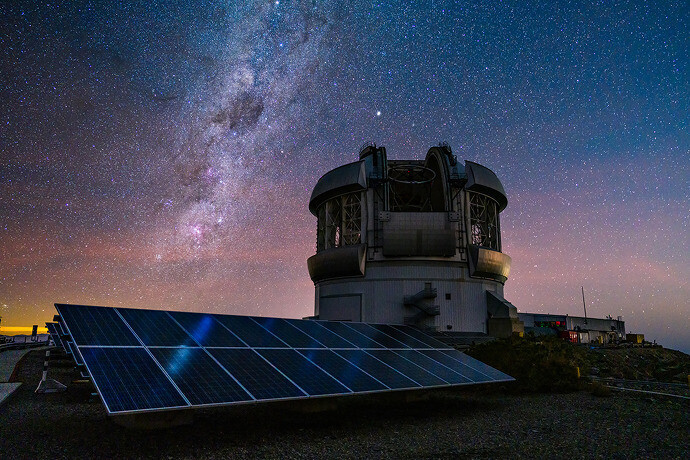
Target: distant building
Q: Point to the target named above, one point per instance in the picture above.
(412, 242)
(635, 338)
(583, 330)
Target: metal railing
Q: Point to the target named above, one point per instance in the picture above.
(19, 342)
(675, 390)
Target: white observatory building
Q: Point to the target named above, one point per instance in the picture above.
(412, 242)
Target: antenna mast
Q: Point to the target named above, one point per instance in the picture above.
(584, 305)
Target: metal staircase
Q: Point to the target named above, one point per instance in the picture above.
(417, 301)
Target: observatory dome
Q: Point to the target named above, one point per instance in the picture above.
(414, 242)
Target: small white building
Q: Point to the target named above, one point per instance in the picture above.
(412, 242)
(589, 330)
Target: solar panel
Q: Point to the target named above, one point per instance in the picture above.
(206, 331)
(477, 365)
(304, 373)
(287, 333)
(148, 360)
(407, 367)
(96, 326)
(422, 337)
(400, 335)
(377, 336)
(54, 334)
(249, 331)
(438, 369)
(350, 375)
(200, 378)
(320, 333)
(466, 371)
(349, 334)
(156, 328)
(129, 379)
(255, 374)
(392, 378)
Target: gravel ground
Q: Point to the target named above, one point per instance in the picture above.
(447, 424)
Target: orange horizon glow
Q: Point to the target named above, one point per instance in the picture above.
(18, 330)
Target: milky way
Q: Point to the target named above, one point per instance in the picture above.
(235, 129)
(162, 154)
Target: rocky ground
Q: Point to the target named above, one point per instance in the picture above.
(448, 424)
(641, 363)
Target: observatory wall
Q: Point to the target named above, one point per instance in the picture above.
(380, 296)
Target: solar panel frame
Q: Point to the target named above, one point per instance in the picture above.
(74, 351)
(364, 362)
(61, 325)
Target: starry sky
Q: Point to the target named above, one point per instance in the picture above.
(162, 154)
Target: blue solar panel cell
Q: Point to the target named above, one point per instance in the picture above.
(198, 376)
(260, 379)
(400, 336)
(96, 326)
(206, 330)
(156, 328)
(457, 366)
(345, 372)
(410, 369)
(250, 332)
(490, 372)
(287, 333)
(421, 336)
(305, 374)
(319, 332)
(349, 334)
(380, 371)
(128, 379)
(377, 336)
(433, 366)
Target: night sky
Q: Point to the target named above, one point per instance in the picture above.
(162, 154)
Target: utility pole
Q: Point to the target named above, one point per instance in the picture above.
(583, 303)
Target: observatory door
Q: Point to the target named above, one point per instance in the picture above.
(341, 307)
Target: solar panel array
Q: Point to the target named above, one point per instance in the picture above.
(54, 334)
(147, 360)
